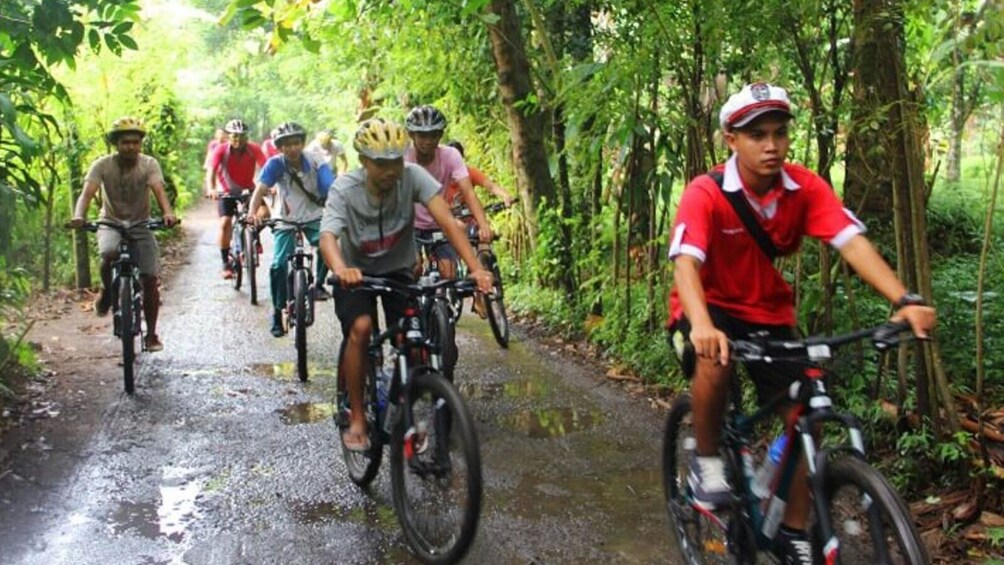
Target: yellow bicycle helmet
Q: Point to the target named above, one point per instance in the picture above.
(378, 138)
(126, 124)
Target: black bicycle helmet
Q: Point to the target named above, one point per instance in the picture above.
(425, 119)
(237, 126)
(289, 130)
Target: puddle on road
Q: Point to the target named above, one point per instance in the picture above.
(306, 413)
(286, 371)
(553, 422)
(170, 517)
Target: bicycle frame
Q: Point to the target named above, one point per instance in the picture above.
(812, 407)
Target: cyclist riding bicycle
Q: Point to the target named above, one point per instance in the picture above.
(368, 229)
(232, 167)
(303, 184)
(726, 285)
(126, 180)
(327, 148)
(425, 126)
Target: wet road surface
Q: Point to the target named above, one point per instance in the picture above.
(221, 456)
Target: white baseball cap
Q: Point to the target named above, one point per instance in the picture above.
(753, 101)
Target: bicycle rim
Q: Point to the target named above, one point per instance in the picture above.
(702, 539)
(251, 264)
(300, 322)
(870, 520)
(436, 470)
(498, 320)
(128, 330)
(362, 465)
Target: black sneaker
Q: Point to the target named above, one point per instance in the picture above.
(277, 329)
(103, 303)
(794, 547)
(708, 483)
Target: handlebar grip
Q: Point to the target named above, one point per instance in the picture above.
(886, 336)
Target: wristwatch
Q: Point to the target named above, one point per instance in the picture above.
(911, 299)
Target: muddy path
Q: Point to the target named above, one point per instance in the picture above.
(221, 456)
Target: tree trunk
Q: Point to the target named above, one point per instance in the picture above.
(526, 121)
(882, 91)
(81, 251)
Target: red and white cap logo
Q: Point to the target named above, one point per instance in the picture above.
(751, 102)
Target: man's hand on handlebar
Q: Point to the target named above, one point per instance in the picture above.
(349, 277)
(484, 279)
(170, 220)
(922, 319)
(76, 223)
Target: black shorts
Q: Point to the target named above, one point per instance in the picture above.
(353, 304)
(227, 207)
(770, 379)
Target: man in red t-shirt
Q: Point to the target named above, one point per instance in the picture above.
(726, 286)
(232, 167)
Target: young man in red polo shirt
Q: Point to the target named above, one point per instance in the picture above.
(232, 167)
(726, 286)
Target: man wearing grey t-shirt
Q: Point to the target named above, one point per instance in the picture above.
(368, 228)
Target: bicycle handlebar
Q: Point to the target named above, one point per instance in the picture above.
(815, 348)
(463, 212)
(272, 222)
(243, 195)
(151, 223)
(385, 285)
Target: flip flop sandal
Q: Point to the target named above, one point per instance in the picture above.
(362, 446)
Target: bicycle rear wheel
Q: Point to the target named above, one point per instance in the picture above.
(701, 535)
(128, 330)
(443, 333)
(498, 319)
(362, 465)
(436, 470)
(869, 519)
(251, 262)
(300, 290)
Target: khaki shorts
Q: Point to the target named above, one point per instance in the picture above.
(143, 248)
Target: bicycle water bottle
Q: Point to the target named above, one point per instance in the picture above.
(761, 482)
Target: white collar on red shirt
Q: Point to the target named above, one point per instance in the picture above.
(732, 183)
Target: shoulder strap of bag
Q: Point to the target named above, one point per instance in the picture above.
(745, 212)
(295, 176)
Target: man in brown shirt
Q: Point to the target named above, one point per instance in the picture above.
(126, 179)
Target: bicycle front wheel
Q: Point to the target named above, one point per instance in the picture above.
(128, 329)
(436, 470)
(869, 519)
(498, 320)
(300, 290)
(251, 263)
(443, 333)
(701, 535)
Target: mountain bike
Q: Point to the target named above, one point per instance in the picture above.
(857, 515)
(245, 247)
(299, 291)
(126, 294)
(434, 457)
(446, 305)
(494, 303)
(235, 256)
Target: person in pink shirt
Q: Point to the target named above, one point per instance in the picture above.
(219, 136)
(232, 167)
(425, 125)
(268, 146)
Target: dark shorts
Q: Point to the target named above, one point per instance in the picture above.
(441, 250)
(770, 379)
(227, 207)
(353, 304)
